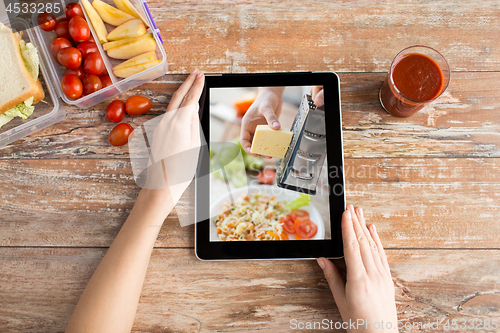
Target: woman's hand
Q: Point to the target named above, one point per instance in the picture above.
(368, 293)
(265, 110)
(109, 302)
(176, 140)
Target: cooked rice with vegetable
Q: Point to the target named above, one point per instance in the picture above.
(252, 217)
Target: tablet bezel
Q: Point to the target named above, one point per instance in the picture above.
(292, 249)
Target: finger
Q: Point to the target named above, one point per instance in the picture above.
(194, 93)
(271, 118)
(189, 105)
(380, 248)
(245, 138)
(352, 255)
(332, 275)
(314, 91)
(364, 245)
(371, 242)
(181, 92)
(319, 100)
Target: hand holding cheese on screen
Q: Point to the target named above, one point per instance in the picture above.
(265, 111)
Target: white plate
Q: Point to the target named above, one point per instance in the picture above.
(279, 193)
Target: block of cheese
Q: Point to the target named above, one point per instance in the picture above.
(269, 142)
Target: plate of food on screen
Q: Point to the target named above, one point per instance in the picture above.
(260, 213)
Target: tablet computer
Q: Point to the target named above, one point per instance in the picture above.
(285, 199)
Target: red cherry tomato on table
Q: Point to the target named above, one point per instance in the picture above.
(87, 47)
(47, 21)
(106, 82)
(91, 83)
(119, 135)
(79, 29)
(305, 229)
(62, 30)
(137, 105)
(58, 44)
(115, 111)
(287, 224)
(266, 176)
(78, 72)
(71, 86)
(93, 63)
(299, 214)
(70, 58)
(73, 9)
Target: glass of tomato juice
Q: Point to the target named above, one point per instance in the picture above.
(418, 75)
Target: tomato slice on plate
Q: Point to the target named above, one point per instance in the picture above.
(287, 224)
(305, 229)
(299, 214)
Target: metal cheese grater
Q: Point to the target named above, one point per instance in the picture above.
(301, 167)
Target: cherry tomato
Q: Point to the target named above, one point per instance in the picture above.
(86, 48)
(70, 58)
(287, 223)
(104, 71)
(78, 72)
(91, 83)
(71, 86)
(266, 176)
(93, 63)
(137, 105)
(91, 38)
(79, 29)
(47, 21)
(73, 9)
(115, 111)
(62, 30)
(62, 19)
(305, 229)
(58, 44)
(119, 135)
(299, 214)
(106, 81)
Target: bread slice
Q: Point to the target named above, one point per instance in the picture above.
(16, 84)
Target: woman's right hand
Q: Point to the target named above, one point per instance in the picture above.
(368, 293)
(265, 110)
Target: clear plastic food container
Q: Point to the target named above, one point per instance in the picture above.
(51, 109)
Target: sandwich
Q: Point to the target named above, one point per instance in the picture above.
(20, 88)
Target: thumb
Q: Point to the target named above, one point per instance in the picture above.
(271, 118)
(334, 279)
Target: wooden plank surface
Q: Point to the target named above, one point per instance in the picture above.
(464, 122)
(428, 182)
(85, 202)
(40, 288)
(343, 36)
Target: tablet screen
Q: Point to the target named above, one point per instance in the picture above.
(280, 190)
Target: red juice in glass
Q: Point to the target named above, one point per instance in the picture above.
(418, 75)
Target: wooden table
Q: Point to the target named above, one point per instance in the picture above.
(429, 182)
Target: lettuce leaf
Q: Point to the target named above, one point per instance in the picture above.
(23, 110)
(31, 58)
(301, 201)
